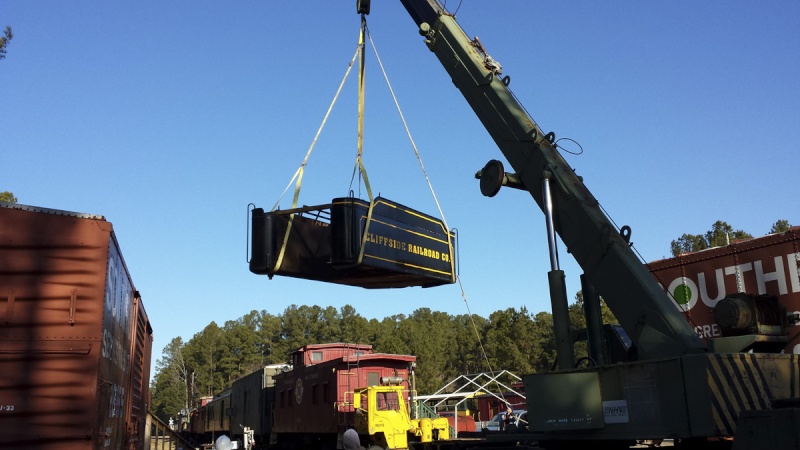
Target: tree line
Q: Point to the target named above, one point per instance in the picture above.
(445, 345)
(7, 196)
(719, 235)
(5, 38)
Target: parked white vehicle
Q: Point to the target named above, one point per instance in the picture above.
(519, 421)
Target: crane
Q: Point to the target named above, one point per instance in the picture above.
(674, 385)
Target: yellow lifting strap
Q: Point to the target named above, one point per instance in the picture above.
(359, 165)
(298, 175)
(416, 151)
(360, 144)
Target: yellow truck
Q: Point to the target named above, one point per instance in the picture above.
(382, 417)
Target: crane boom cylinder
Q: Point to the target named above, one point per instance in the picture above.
(594, 321)
(558, 287)
(548, 215)
(561, 328)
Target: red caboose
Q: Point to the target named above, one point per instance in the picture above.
(313, 401)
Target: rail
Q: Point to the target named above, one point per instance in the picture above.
(426, 411)
(159, 436)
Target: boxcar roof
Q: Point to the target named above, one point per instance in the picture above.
(56, 212)
(334, 345)
(379, 356)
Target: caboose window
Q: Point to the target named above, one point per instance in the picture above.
(373, 378)
(316, 356)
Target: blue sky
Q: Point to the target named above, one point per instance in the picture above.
(170, 117)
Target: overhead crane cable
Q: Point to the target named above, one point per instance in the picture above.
(438, 206)
(425, 174)
(361, 93)
(435, 198)
(414, 146)
(303, 164)
(474, 326)
(359, 166)
(359, 158)
(478, 338)
(298, 175)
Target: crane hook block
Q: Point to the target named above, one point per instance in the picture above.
(362, 6)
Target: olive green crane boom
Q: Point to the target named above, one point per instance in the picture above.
(675, 386)
(645, 312)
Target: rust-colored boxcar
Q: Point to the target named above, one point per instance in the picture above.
(75, 340)
(313, 401)
(764, 266)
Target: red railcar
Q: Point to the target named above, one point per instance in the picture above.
(75, 340)
(768, 265)
(305, 404)
(313, 401)
(198, 418)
